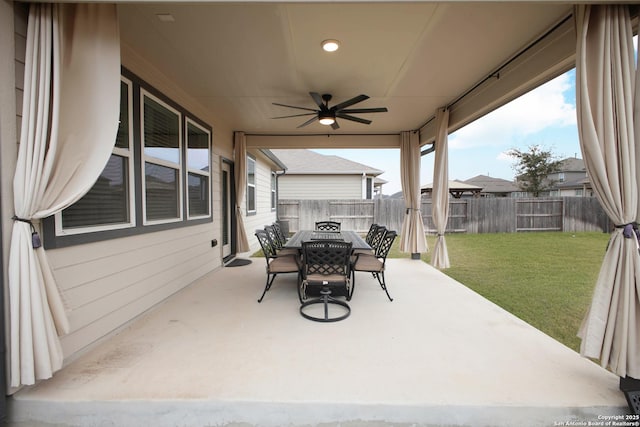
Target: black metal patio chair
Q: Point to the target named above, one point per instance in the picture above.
(277, 243)
(373, 239)
(325, 272)
(374, 264)
(276, 264)
(328, 226)
(279, 232)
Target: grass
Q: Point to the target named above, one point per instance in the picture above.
(546, 279)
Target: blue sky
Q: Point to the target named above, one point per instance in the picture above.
(545, 116)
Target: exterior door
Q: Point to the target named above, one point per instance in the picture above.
(227, 210)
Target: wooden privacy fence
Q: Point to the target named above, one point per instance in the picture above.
(481, 215)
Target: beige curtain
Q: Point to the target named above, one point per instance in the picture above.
(440, 196)
(606, 96)
(412, 238)
(240, 170)
(69, 123)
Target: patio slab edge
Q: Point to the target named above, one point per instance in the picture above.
(175, 413)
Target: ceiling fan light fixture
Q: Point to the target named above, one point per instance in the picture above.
(327, 120)
(330, 45)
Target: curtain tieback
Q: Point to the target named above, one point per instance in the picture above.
(35, 237)
(412, 209)
(629, 230)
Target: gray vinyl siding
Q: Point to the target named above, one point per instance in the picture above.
(323, 187)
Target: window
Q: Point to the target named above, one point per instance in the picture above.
(158, 176)
(561, 176)
(369, 194)
(198, 170)
(162, 161)
(251, 185)
(274, 194)
(108, 204)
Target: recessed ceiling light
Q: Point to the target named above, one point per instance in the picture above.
(330, 45)
(165, 17)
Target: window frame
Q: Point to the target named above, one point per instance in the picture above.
(369, 188)
(85, 235)
(200, 172)
(274, 191)
(254, 185)
(121, 152)
(144, 158)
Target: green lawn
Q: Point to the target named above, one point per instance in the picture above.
(546, 279)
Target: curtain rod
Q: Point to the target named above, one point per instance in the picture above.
(328, 135)
(496, 73)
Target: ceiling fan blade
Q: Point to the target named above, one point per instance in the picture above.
(353, 118)
(308, 122)
(335, 125)
(349, 102)
(365, 110)
(295, 115)
(293, 106)
(317, 99)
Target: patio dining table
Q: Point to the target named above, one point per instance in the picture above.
(357, 242)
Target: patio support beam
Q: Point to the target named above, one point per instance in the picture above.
(322, 141)
(547, 58)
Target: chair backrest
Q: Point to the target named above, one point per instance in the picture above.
(327, 226)
(273, 236)
(278, 229)
(381, 231)
(371, 233)
(265, 243)
(326, 257)
(385, 244)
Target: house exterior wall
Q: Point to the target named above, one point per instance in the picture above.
(567, 176)
(107, 284)
(264, 215)
(320, 187)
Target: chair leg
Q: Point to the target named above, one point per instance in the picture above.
(267, 286)
(300, 287)
(383, 284)
(353, 285)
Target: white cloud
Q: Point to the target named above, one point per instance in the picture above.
(533, 112)
(504, 157)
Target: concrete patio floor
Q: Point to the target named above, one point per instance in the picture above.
(439, 354)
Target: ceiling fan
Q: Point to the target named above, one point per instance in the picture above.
(327, 116)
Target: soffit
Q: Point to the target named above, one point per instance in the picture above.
(238, 58)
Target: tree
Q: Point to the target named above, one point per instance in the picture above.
(533, 168)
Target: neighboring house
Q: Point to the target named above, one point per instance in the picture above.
(493, 187)
(311, 175)
(571, 180)
(457, 189)
(571, 169)
(578, 188)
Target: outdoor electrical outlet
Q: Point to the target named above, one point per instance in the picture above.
(214, 243)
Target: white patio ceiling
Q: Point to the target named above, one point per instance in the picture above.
(239, 58)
